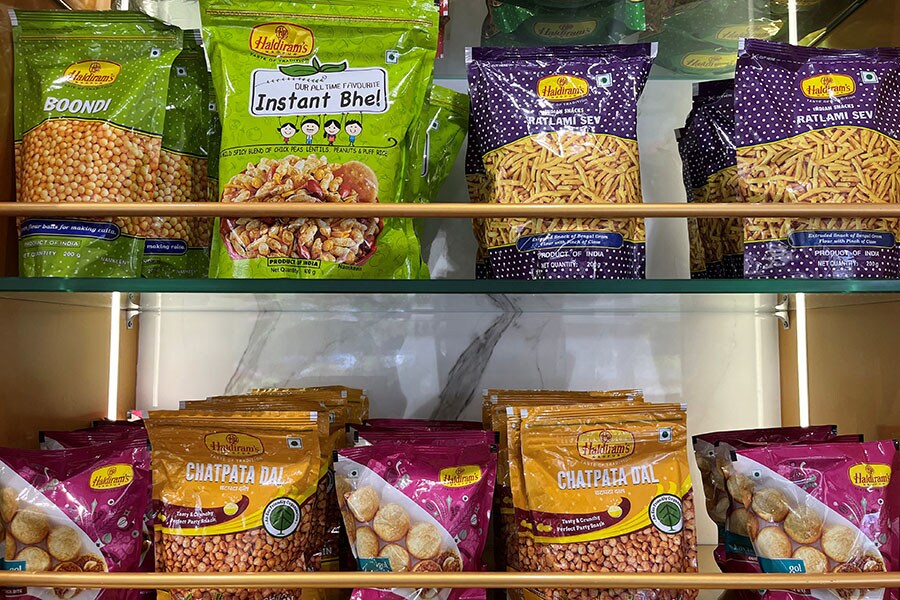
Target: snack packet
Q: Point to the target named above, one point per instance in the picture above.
(179, 246)
(708, 154)
(208, 492)
(492, 398)
(74, 510)
(332, 423)
(59, 440)
(712, 451)
(89, 111)
(309, 118)
(424, 424)
(357, 399)
(820, 508)
(214, 143)
(816, 125)
(696, 247)
(436, 142)
(615, 477)
(559, 126)
(416, 507)
(369, 436)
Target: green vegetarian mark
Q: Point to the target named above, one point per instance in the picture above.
(313, 68)
(668, 514)
(282, 518)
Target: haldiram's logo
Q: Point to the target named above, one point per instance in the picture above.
(282, 40)
(233, 444)
(708, 61)
(561, 88)
(92, 73)
(868, 475)
(112, 476)
(733, 33)
(605, 444)
(455, 477)
(830, 85)
(564, 31)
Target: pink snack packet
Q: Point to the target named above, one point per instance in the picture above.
(74, 510)
(819, 508)
(368, 435)
(425, 424)
(732, 554)
(57, 440)
(418, 508)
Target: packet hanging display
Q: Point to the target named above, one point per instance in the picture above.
(436, 142)
(242, 484)
(418, 508)
(821, 508)
(74, 510)
(179, 246)
(600, 477)
(817, 125)
(559, 126)
(309, 118)
(89, 112)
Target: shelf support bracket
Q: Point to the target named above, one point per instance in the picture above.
(783, 310)
(132, 310)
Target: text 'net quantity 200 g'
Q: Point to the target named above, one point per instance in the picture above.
(317, 101)
(558, 126)
(817, 125)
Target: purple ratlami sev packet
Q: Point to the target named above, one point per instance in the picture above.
(559, 126)
(817, 125)
(829, 507)
(710, 155)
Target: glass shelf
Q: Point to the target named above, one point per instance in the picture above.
(451, 286)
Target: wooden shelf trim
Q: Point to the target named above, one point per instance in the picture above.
(448, 580)
(446, 210)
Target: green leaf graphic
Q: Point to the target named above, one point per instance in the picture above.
(298, 70)
(334, 68)
(668, 514)
(316, 63)
(281, 518)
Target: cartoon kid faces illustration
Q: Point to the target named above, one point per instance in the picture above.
(353, 129)
(287, 131)
(309, 127)
(331, 128)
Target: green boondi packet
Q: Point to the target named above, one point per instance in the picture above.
(179, 246)
(90, 94)
(321, 98)
(436, 142)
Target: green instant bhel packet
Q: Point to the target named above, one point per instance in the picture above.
(214, 139)
(179, 246)
(90, 93)
(321, 98)
(436, 142)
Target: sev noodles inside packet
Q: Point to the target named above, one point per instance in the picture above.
(709, 153)
(817, 125)
(559, 126)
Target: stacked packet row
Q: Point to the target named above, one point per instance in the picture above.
(245, 483)
(802, 125)
(110, 107)
(592, 482)
(80, 504)
(416, 496)
(801, 500)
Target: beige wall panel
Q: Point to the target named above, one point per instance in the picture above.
(54, 364)
(854, 369)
